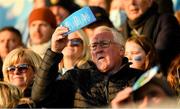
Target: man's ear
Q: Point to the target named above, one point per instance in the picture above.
(122, 52)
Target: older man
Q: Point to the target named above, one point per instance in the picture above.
(95, 86)
(163, 29)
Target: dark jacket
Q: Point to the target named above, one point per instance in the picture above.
(78, 87)
(163, 29)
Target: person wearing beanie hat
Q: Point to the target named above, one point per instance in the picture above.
(43, 14)
(62, 8)
(42, 24)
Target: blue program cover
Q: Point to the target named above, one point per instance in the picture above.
(79, 19)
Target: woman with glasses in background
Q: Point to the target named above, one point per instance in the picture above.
(75, 53)
(20, 67)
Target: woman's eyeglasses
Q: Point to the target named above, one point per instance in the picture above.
(20, 68)
(75, 42)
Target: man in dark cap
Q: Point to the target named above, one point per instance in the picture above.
(62, 8)
(102, 18)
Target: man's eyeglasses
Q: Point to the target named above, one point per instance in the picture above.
(75, 42)
(102, 44)
(22, 68)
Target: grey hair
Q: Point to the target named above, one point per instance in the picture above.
(117, 36)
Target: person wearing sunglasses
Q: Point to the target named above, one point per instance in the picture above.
(75, 53)
(19, 68)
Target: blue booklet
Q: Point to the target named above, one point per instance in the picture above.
(78, 19)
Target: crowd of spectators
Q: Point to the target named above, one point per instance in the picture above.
(97, 65)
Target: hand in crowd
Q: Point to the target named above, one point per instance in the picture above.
(59, 40)
(121, 97)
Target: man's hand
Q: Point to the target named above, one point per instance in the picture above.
(59, 40)
(121, 97)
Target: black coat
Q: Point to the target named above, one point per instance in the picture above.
(78, 87)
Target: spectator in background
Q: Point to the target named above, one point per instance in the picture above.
(141, 52)
(75, 53)
(42, 23)
(39, 3)
(19, 68)
(164, 30)
(62, 8)
(102, 19)
(81, 3)
(116, 14)
(105, 4)
(10, 38)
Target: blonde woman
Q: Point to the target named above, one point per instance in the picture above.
(9, 95)
(20, 67)
(75, 53)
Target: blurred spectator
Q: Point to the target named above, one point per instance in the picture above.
(102, 18)
(10, 95)
(141, 52)
(163, 29)
(105, 4)
(10, 38)
(173, 75)
(75, 53)
(39, 3)
(42, 24)
(158, 95)
(19, 68)
(62, 8)
(117, 14)
(82, 3)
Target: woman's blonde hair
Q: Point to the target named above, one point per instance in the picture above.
(85, 55)
(9, 95)
(19, 54)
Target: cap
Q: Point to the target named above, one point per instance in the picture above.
(70, 5)
(102, 17)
